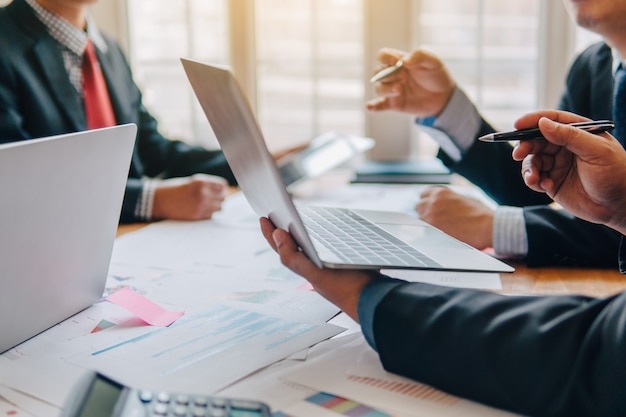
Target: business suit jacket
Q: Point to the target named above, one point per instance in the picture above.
(554, 236)
(37, 99)
(538, 356)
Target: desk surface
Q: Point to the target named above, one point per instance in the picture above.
(267, 384)
(592, 282)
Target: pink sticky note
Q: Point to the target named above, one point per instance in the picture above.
(143, 308)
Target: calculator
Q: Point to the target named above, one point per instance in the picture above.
(100, 396)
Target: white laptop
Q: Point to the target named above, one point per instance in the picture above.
(59, 211)
(400, 241)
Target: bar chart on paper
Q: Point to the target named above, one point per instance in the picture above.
(103, 325)
(344, 406)
(338, 406)
(407, 389)
(209, 348)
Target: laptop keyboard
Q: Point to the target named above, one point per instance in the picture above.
(356, 240)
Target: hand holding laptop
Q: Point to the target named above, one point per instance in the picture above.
(341, 287)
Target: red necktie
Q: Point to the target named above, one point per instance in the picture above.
(98, 107)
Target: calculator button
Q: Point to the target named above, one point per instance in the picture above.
(182, 399)
(145, 396)
(180, 410)
(201, 401)
(160, 409)
(163, 397)
(198, 412)
(218, 402)
(217, 412)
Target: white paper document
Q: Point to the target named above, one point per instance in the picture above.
(201, 352)
(14, 403)
(353, 371)
(243, 312)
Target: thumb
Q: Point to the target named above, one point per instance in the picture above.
(571, 138)
(423, 59)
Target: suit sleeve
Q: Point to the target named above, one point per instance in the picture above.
(173, 158)
(490, 167)
(558, 238)
(554, 236)
(157, 156)
(154, 156)
(540, 356)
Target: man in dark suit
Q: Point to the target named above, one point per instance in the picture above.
(523, 226)
(538, 356)
(41, 94)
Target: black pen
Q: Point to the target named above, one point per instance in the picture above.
(594, 126)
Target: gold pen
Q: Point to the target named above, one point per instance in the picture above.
(385, 72)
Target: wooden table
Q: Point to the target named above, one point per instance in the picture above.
(592, 282)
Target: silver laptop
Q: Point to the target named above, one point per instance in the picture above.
(330, 237)
(59, 211)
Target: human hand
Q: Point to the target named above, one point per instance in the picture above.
(465, 218)
(190, 198)
(286, 153)
(422, 87)
(341, 287)
(584, 172)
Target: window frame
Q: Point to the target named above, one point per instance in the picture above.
(557, 34)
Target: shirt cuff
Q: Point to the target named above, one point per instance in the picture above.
(459, 123)
(143, 208)
(371, 296)
(509, 232)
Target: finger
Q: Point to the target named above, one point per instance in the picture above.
(209, 197)
(532, 119)
(209, 178)
(389, 88)
(535, 172)
(422, 59)
(206, 211)
(573, 139)
(429, 191)
(291, 257)
(422, 208)
(389, 56)
(524, 148)
(267, 228)
(217, 189)
(378, 104)
(530, 172)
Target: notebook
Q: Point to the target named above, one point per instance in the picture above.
(420, 246)
(415, 171)
(60, 207)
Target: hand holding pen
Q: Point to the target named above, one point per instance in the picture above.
(575, 168)
(417, 83)
(593, 126)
